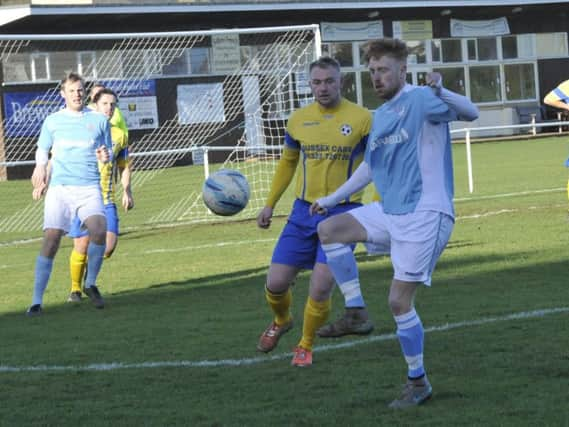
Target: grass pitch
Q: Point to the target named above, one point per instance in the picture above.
(176, 343)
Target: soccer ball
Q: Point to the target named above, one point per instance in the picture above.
(226, 192)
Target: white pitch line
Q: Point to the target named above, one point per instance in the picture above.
(248, 242)
(499, 196)
(205, 246)
(462, 199)
(257, 360)
(21, 242)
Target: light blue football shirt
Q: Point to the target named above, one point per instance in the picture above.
(73, 138)
(409, 152)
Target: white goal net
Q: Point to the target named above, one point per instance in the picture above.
(193, 102)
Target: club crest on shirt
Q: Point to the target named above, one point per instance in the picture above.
(346, 130)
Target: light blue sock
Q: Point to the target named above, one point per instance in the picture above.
(411, 337)
(95, 255)
(342, 263)
(44, 266)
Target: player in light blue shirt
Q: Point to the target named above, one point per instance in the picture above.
(408, 158)
(77, 139)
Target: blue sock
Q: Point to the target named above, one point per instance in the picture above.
(44, 266)
(95, 255)
(411, 336)
(342, 263)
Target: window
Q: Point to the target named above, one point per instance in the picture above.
(487, 49)
(139, 63)
(361, 48)
(106, 71)
(370, 99)
(487, 69)
(482, 49)
(451, 50)
(551, 45)
(152, 63)
(526, 46)
(509, 47)
(61, 63)
(471, 50)
(40, 66)
(17, 69)
(342, 52)
(485, 84)
(87, 64)
(349, 90)
(175, 65)
(519, 81)
(200, 60)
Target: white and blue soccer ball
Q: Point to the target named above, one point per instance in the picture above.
(226, 192)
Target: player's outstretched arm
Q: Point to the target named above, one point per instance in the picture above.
(359, 179)
(553, 101)
(462, 106)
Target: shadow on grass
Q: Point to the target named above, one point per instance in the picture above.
(201, 318)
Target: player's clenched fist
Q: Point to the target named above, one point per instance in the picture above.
(103, 154)
(264, 217)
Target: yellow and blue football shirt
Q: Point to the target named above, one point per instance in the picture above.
(327, 145)
(107, 170)
(117, 119)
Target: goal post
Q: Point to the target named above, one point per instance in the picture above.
(180, 92)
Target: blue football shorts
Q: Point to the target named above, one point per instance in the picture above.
(298, 244)
(111, 214)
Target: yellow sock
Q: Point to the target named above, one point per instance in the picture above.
(77, 264)
(315, 315)
(280, 304)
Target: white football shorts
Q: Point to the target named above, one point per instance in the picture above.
(64, 202)
(415, 241)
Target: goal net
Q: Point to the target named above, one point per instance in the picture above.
(193, 101)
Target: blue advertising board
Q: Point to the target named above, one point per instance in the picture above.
(26, 111)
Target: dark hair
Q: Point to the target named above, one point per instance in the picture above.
(104, 91)
(72, 77)
(385, 47)
(325, 62)
(94, 85)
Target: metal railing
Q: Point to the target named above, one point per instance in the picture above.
(468, 138)
(204, 150)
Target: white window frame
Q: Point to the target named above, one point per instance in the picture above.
(38, 58)
(506, 101)
(82, 64)
(465, 63)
